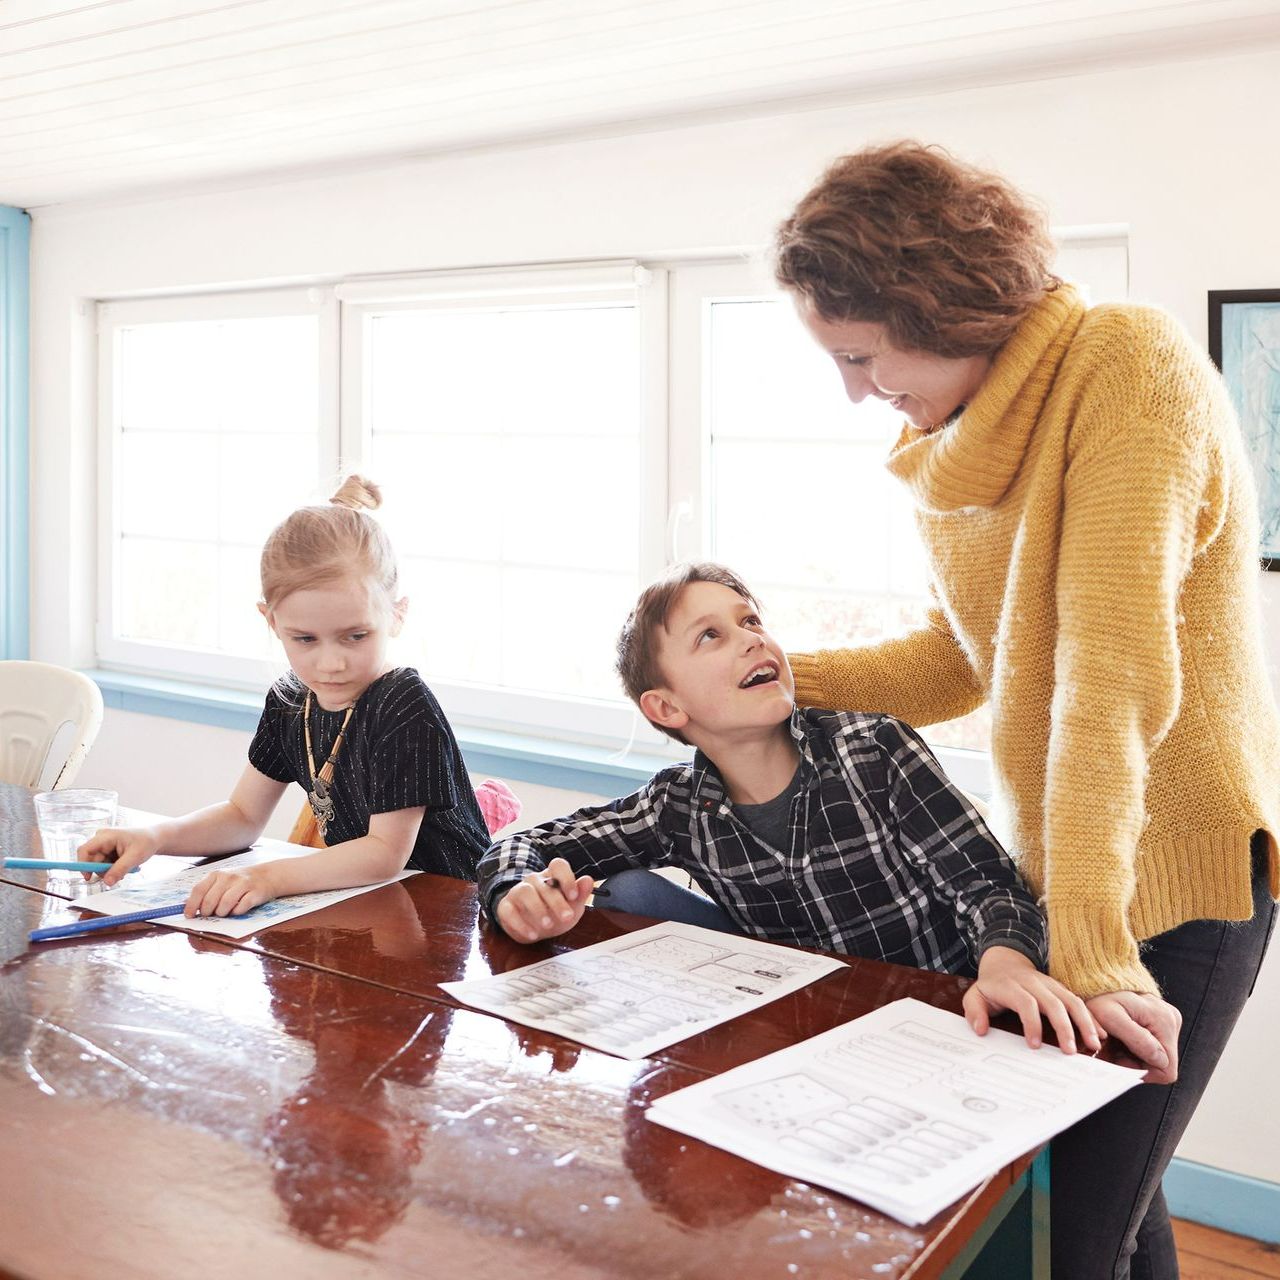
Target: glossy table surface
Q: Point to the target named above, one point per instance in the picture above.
(308, 1102)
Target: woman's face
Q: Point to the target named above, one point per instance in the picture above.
(926, 388)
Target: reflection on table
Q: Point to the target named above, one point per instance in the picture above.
(309, 1103)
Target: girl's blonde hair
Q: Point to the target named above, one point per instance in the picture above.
(323, 544)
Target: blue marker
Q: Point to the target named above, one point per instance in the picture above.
(49, 864)
(105, 922)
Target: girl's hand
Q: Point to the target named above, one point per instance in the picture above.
(127, 846)
(545, 904)
(231, 893)
(1008, 980)
(1147, 1026)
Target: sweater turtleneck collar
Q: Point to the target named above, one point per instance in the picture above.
(972, 462)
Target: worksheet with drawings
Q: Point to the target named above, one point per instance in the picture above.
(905, 1108)
(643, 991)
(137, 894)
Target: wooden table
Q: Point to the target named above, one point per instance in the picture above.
(308, 1102)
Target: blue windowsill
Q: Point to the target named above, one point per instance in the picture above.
(516, 757)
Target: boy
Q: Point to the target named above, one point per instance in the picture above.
(825, 829)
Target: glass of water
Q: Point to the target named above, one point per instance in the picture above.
(68, 818)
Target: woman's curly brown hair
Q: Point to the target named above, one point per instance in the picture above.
(948, 258)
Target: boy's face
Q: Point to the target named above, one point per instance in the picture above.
(724, 673)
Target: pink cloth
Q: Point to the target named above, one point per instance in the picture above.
(498, 803)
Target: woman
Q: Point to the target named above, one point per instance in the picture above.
(1086, 505)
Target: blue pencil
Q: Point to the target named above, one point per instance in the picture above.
(50, 864)
(105, 922)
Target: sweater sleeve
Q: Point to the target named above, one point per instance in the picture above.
(1136, 508)
(922, 677)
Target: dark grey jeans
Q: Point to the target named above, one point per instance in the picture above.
(1109, 1220)
(645, 893)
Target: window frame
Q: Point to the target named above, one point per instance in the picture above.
(567, 716)
(695, 288)
(116, 314)
(673, 296)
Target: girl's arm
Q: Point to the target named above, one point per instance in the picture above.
(221, 828)
(922, 677)
(377, 856)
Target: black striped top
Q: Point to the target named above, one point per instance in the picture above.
(399, 753)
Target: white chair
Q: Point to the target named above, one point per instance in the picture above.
(49, 717)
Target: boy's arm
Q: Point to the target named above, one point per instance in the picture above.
(941, 832)
(596, 841)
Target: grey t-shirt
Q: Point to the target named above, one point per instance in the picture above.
(770, 820)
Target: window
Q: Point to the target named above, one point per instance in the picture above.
(547, 440)
(509, 418)
(217, 419)
(788, 481)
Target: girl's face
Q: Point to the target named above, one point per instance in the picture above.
(926, 388)
(335, 637)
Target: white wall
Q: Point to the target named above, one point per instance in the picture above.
(1182, 154)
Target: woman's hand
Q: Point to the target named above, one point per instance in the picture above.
(1008, 980)
(231, 893)
(123, 847)
(1147, 1026)
(544, 904)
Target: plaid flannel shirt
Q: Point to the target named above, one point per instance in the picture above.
(885, 857)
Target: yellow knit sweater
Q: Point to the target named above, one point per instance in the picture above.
(1092, 531)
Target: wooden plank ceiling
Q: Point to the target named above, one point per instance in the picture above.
(114, 96)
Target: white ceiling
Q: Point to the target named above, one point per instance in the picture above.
(109, 96)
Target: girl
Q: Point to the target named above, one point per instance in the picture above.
(367, 741)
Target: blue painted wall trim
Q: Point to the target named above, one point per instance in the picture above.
(1228, 1201)
(508, 755)
(15, 596)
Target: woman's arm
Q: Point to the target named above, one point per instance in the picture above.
(922, 677)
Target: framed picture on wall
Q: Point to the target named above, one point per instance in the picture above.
(1244, 341)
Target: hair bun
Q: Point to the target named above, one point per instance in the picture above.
(357, 492)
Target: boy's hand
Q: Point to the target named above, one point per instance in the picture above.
(1008, 980)
(545, 904)
(128, 846)
(1147, 1027)
(231, 893)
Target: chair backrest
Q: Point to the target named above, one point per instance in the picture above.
(49, 717)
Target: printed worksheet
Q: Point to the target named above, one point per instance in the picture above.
(639, 993)
(137, 894)
(905, 1109)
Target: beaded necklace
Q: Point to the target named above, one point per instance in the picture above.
(318, 796)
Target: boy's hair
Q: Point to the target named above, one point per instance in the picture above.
(637, 663)
(323, 544)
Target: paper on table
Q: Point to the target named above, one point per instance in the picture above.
(639, 993)
(905, 1108)
(160, 892)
